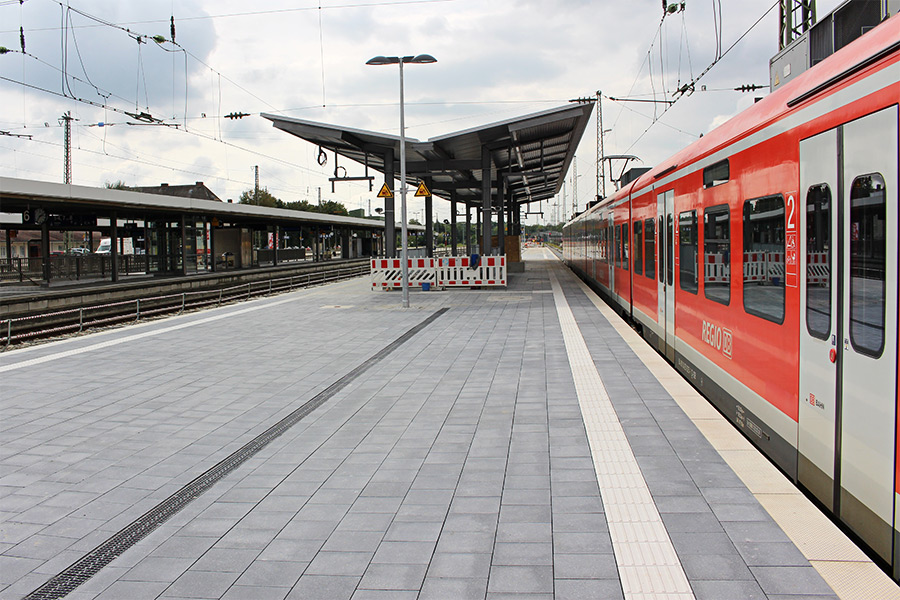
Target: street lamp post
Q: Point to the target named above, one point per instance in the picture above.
(404, 252)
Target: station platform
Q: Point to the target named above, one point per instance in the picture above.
(327, 443)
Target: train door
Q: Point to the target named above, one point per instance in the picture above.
(862, 315)
(665, 209)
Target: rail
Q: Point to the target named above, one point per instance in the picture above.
(17, 330)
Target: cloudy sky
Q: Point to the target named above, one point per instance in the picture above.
(304, 58)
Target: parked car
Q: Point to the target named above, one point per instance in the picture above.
(79, 251)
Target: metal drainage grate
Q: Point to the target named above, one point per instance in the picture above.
(87, 566)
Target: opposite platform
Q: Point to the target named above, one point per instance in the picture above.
(348, 448)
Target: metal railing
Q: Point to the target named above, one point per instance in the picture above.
(21, 329)
(76, 267)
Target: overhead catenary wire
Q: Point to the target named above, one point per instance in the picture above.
(690, 86)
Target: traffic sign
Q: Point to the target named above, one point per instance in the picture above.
(385, 192)
(422, 191)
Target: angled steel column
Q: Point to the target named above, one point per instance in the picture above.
(453, 241)
(184, 265)
(485, 202)
(479, 240)
(501, 216)
(390, 237)
(114, 246)
(212, 243)
(45, 251)
(276, 231)
(468, 230)
(429, 220)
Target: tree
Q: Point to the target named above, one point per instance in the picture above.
(265, 199)
(117, 185)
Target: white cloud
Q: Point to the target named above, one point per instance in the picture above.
(496, 60)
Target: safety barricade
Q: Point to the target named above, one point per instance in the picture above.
(715, 270)
(817, 268)
(387, 273)
(457, 271)
(755, 267)
(775, 267)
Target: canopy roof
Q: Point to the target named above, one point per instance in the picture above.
(532, 153)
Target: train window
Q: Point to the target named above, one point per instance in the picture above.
(625, 254)
(650, 248)
(617, 248)
(716, 174)
(868, 251)
(687, 250)
(717, 251)
(764, 258)
(670, 250)
(638, 248)
(818, 261)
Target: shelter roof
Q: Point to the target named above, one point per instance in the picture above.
(18, 194)
(532, 152)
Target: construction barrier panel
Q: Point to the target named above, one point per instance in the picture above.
(387, 273)
(817, 268)
(458, 271)
(715, 270)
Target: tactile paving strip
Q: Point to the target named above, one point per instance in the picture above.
(645, 556)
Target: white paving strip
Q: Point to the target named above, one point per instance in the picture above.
(648, 566)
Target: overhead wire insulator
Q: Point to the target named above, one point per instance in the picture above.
(22, 38)
(172, 28)
(237, 115)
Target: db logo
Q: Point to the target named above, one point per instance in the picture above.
(727, 342)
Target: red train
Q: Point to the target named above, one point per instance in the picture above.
(762, 260)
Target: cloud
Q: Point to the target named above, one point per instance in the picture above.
(496, 60)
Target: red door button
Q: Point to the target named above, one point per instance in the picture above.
(832, 354)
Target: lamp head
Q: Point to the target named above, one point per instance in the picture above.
(383, 60)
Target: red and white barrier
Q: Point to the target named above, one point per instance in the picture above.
(715, 270)
(817, 268)
(457, 271)
(387, 273)
(755, 266)
(775, 267)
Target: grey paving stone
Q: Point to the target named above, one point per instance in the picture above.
(225, 559)
(393, 576)
(404, 552)
(467, 566)
(587, 589)
(201, 584)
(522, 554)
(790, 580)
(339, 563)
(323, 587)
(582, 543)
(271, 573)
(133, 590)
(255, 592)
(585, 566)
(771, 554)
(465, 541)
(717, 590)
(293, 550)
(361, 594)
(521, 580)
(437, 588)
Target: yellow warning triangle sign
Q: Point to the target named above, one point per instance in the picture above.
(422, 191)
(385, 192)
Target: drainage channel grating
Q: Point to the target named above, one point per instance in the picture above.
(87, 566)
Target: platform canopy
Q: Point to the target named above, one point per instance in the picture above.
(531, 154)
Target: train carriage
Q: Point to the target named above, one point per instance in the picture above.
(762, 261)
